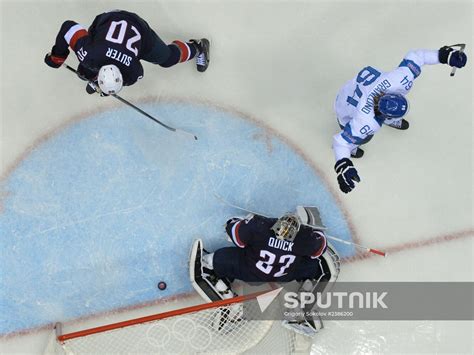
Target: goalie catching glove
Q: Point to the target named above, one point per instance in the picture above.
(346, 175)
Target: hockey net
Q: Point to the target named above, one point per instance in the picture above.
(212, 328)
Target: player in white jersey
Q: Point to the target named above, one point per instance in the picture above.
(374, 98)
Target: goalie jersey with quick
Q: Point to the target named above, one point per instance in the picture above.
(268, 258)
(354, 104)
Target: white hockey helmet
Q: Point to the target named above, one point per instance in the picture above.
(110, 79)
(287, 226)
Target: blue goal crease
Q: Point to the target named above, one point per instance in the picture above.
(101, 212)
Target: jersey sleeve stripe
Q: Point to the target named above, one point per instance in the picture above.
(58, 60)
(321, 250)
(184, 50)
(410, 64)
(73, 34)
(347, 135)
(235, 235)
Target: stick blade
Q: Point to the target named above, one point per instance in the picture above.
(186, 134)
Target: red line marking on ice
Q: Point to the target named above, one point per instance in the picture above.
(390, 250)
(322, 174)
(414, 245)
(113, 312)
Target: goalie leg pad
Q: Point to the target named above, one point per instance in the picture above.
(204, 281)
(326, 273)
(332, 261)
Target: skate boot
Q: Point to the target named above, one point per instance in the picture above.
(202, 59)
(358, 153)
(400, 124)
(307, 327)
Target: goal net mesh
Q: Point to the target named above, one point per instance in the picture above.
(216, 328)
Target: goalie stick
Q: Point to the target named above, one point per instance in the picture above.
(370, 250)
(176, 130)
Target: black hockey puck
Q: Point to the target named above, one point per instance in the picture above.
(162, 285)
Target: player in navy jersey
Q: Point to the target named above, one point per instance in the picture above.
(270, 249)
(110, 50)
(285, 249)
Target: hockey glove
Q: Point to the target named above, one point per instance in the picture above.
(54, 61)
(92, 88)
(454, 58)
(346, 175)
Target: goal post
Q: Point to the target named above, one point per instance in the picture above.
(217, 327)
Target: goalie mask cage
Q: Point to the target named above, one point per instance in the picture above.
(212, 328)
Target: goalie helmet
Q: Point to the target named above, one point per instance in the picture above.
(392, 106)
(110, 79)
(287, 226)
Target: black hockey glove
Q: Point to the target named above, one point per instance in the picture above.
(346, 175)
(92, 88)
(54, 61)
(452, 57)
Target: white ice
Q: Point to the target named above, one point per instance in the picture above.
(282, 63)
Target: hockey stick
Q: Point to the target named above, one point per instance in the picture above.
(369, 250)
(461, 49)
(177, 130)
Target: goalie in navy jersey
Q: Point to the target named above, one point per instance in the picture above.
(110, 50)
(290, 248)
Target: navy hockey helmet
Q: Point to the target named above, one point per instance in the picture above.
(392, 106)
(287, 226)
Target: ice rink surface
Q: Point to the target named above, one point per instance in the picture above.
(83, 175)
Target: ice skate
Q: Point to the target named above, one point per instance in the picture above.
(202, 59)
(358, 153)
(400, 124)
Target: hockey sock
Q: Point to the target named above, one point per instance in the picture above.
(180, 52)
